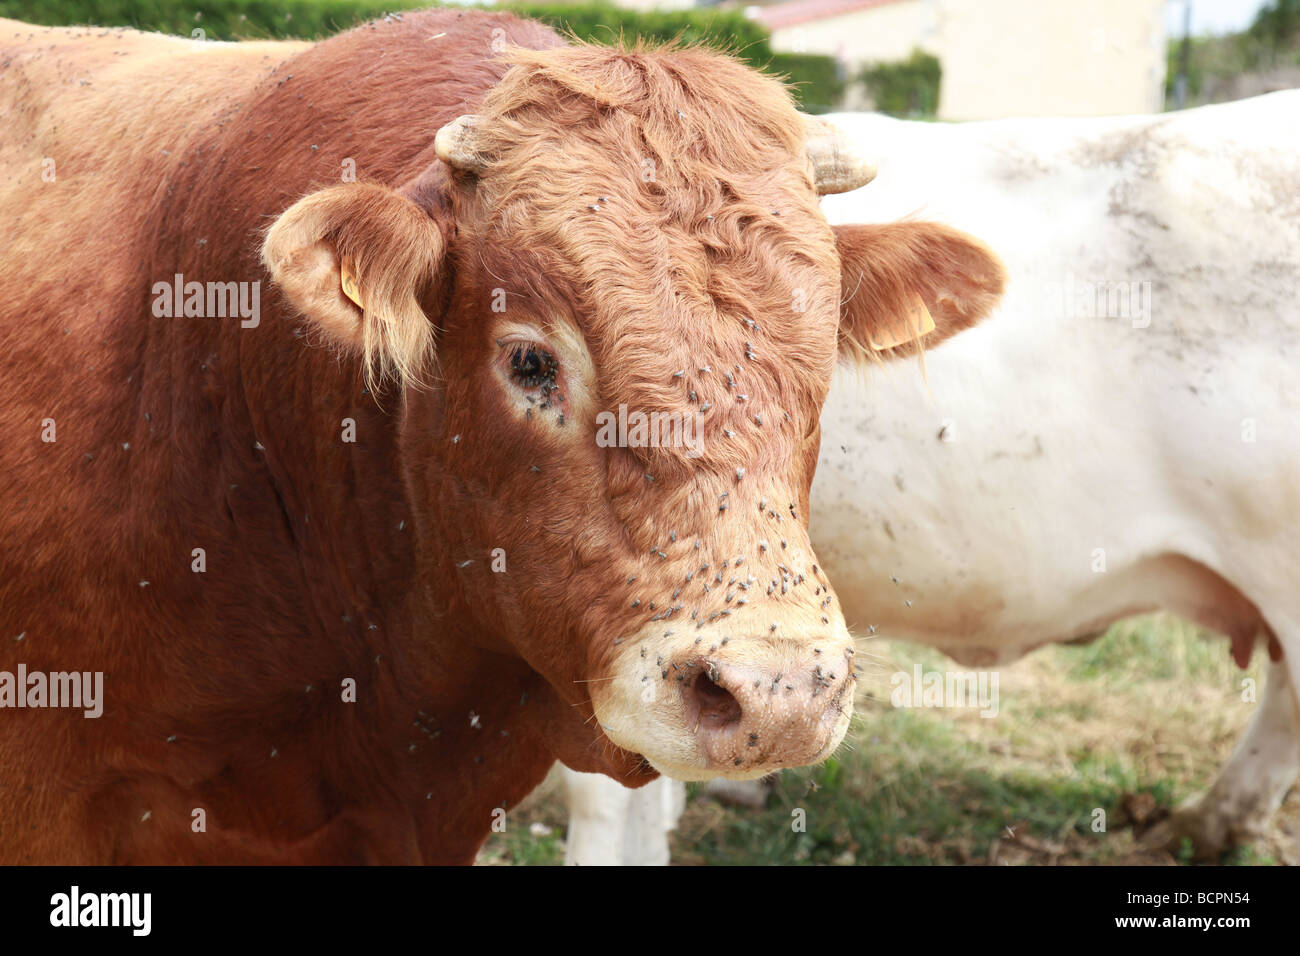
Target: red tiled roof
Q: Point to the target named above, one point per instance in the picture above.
(801, 11)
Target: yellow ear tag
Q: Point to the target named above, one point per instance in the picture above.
(348, 281)
(917, 323)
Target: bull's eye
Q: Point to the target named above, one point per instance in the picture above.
(532, 366)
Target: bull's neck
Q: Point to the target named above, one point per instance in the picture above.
(322, 548)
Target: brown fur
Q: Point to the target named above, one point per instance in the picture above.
(370, 560)
(349, 223)
(959, 279)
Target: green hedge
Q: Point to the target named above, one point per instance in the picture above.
(815, 80)
(1277, 25)
(816, 84)
(219, 19)
(604, 22)
(907, 88)
(1273, 39)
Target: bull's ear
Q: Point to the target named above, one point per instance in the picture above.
(910, 285)
(356, 259)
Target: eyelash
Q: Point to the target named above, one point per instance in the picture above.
(532, 366)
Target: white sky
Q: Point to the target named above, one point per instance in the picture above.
(1211, 16)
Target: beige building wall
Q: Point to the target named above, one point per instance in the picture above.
(1051, 58)
(870, 35)
(1008, 57)
(888, 32)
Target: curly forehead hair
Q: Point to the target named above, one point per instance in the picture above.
(676, 93)
(669, 189)
(697, 115)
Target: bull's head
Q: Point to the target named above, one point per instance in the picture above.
(614, 307)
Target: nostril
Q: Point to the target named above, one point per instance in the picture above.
(715, 705)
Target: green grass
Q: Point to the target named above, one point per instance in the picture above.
(1153, 649)
(518, 846)
(920, 796)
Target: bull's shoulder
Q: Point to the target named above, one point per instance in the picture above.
(34, 46)
(65, 91)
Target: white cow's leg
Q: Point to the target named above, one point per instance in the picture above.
(653, 812)
(738, 793)
(610, 825)
(598, 815)
(1256, 778)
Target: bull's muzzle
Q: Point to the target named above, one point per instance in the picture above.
(739, 708)
(783, 712)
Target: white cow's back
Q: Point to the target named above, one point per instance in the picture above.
(1045, 433)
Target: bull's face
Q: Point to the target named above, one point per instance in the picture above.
(637, 306)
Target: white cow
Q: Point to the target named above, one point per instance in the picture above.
(1122, 435)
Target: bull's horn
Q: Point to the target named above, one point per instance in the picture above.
(837, 165)
(456, 144)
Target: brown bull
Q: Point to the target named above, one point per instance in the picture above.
(511, 466)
